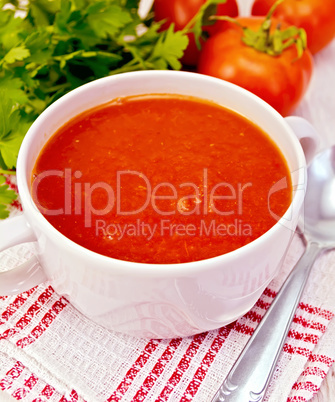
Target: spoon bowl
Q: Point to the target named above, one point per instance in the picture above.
(317, 223)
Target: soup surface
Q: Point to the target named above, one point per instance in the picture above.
(161, 179)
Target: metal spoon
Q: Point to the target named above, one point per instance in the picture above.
(249, 378)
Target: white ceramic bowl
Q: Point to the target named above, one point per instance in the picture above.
(151, 300)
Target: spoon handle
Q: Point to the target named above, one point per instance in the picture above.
(249, 377)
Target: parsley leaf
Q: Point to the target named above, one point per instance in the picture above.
(12, 130)
(16, 54)
(166, 53)
(12, 87)
(6, 198)
(106, 19)
(202, 18)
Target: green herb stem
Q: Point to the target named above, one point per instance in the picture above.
(8, 172)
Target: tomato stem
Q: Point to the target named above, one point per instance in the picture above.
(271, 43)
(273, 9)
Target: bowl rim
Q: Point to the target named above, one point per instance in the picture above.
(30, 208)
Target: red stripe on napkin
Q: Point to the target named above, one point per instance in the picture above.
(322, 359)
(316, 371)
(182, 366)
(253, 316)
(243, 329)
(301, 336)
(16, 304)
(262, 304)
(134, 370)
(22, 392)
(308, 386)
(309, 324)
(206, 362)
(157, 369)
(11, 375)
(46, 392)
(25, 385)
(295, 350)
(46, 320)
(328, 315)
(73, 397)
(270, 293)
(50, 391)
(31, 312)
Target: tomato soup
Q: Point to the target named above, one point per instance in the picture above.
(161, 179)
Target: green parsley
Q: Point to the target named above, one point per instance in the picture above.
(48, 48)
(6, 198)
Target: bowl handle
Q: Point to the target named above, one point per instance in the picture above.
(306, 134)
(25, 276)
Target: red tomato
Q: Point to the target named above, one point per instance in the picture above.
(317, 17)
(180, 12)
(279, 80)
